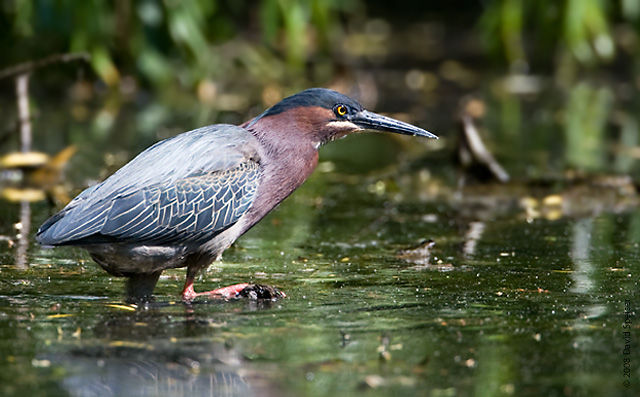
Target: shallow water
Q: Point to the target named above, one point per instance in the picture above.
(515, 305)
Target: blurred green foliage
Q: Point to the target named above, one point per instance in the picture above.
(184, 40)
(167, 41)
(586, 116)
(525, 31)
(190, 41)
(213, 59)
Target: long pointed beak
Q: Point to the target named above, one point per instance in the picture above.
(373, 121)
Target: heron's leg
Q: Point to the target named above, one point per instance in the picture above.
(139, 287)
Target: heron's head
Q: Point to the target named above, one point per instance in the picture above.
(321, 115)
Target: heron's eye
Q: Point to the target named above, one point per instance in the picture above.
(341, 110)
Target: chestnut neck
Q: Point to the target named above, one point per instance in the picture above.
(288, 155)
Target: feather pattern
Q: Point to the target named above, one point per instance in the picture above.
(188, 188)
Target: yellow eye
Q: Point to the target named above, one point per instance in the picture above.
(341, 110)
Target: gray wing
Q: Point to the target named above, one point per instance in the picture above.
(186, 188)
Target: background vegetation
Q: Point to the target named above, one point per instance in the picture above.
(570, 64)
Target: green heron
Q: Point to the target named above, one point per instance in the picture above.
(184, 200)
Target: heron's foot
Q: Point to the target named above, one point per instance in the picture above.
(244, 290)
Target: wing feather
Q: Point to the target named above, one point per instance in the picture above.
(186, 188)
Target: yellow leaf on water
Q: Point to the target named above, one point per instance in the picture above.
(131, 308)
(60, 315)
(122, 343)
